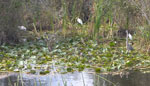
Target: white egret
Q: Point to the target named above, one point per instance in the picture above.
(128, 45)
(79, 21)
(22, 28)
(130, 36)
(24, 40)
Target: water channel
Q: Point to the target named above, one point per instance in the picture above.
(85, 78)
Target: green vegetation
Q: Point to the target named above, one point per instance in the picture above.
(99, 43)
(73, 54)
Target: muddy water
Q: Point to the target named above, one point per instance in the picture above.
(132, 78)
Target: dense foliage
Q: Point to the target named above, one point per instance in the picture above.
(97, 43)
(73, 54)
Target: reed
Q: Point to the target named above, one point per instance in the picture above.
(98, 15)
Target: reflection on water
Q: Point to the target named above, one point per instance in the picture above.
(69, 79)
(72, 79)
(132, 78)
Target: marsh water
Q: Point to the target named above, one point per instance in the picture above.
(85, 78)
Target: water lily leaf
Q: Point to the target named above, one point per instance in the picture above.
(44, 72)
(112, 44)
(69, 69)
(129, 63)
(109, 55)
(97, 70)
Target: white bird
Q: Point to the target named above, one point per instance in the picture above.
(79, 21)
(24, 40)
(128, 45)
(22, 28)
(130, 36)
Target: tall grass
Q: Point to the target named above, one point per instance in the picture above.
(98, 15)
(124, 14)
(65, 17)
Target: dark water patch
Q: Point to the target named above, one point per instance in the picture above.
(130, 78)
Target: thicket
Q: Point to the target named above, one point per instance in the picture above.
(102, 18)
(10, 18)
